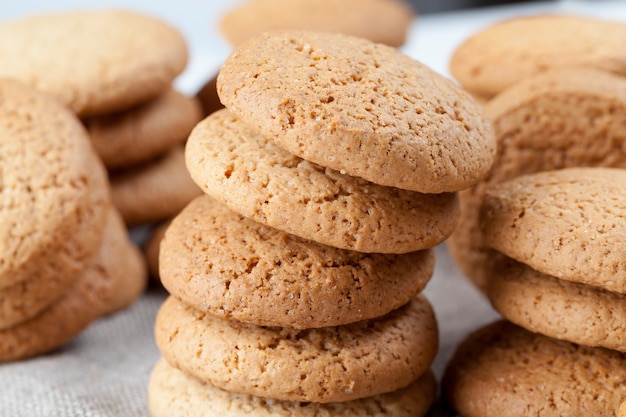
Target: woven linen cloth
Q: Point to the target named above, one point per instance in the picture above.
(104, 371)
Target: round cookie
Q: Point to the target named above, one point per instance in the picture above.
(382, 21)
(94, 62)
(569, 223)
(319, 365)
(152, 248)
(242, 169)
(358, 107)
(561, 309)
(509, 51)
(154, 191)
(112, 280)
(144, 132)
(171, 393)
(208, 98)
(503, 370)
(563, 118)
(254, 266)
(54, 189)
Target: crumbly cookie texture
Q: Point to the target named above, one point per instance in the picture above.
(560, 119)
(237, 166)
(222, 263)
(94, 62)
(565, 310)
(137, 135)
(323, 365)
(569, 223)
(358, 107)
(501, 55)
(383, 21)
(172, 393)
(154, 191)
(504, 370)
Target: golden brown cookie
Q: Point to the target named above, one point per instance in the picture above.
(505, 371)
(509, 51)
(95, 62)
(254, 266)
(208, 98)
(144, 132)
(171, 393)
(154, 191)
(382, 21)
(358, 107)
(152, 248)
(320, 365)
(113, 278)
(560, 119)
(262, 181)
(54, 189)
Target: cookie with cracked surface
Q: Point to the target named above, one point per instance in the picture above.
(564, 310)
(255, 266)
(569, 223)
(323, 365)
(54, 189)
(153, 191)
(504, 370)
(112, 280)
(560, 119)
(363, 108)
(509, 51)
(172, 393)
(239, 167)
(381, 21)
(137, 135)
(94, 62)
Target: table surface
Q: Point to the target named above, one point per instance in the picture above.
(104, 371)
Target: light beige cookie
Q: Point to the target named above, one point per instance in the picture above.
(95, 62)
(171, 393)
(560, 119)
(54, 189)
(358, 107)
(254, 266)
(569, 223)
(319, 365)
(561, 309)
(239, 167)
(509, 51)
(505, 371)
(113, 279)
(144, 132)
(154, 191)
(383, 21)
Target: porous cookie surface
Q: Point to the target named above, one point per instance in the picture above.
(384, 21)
(144, 132)
(351, 105)
(503, 370)
(560, 119)
(53, 189)
(220, 262)
(154, 191)
(173, 394)
(561, 309)
(320, 365)
(114, 277)
(239, 167)
(95, 62)
(569, 223)
(512, 50)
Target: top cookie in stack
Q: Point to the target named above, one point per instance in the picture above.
(114, 69)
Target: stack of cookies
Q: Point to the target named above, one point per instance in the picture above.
(65, 258)
(556, 270)
(115, 69)
(295, 282)
(559, 104)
